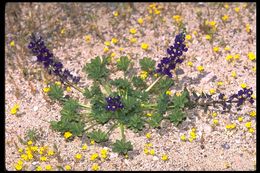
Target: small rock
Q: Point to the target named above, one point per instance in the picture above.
(225, 146)
(113, 155)
(35, 163)
(155, 158)
(35, 108)
(207, 128)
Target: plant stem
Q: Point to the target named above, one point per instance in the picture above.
(112, 127)
(150, 87)
(85, 106)
(122, 131)
(74, 86)
(90, 126)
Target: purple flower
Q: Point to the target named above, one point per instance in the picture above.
(174, 56)
(44, 56)
(114, 103)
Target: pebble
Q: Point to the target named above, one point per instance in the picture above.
(113, 155)
(225, 146)
(35, 163)
(155, 158)
(35, 108)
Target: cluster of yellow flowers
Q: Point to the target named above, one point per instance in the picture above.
(14, 109)
(154, 9)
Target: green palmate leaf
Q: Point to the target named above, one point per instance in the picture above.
(138, 82)
(130, 104)
(136, 123)
(123, 63)
(155, 120)
(102, 117)
(76, 128)
(162, 103)
(98, 136)
(163, 85)
(97, 69)
(176, 116)
(179, 101)
(122, 146)
(121, 84)
(147, 64)
(56, 92)
(93, 91)
(142, 95)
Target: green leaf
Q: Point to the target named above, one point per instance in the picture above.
(162, 103)
(93, 91)
(97, 69)
(163, 85)
(136, 123)
(155, 120)
(123, 63)
(180, 101)
(138, 82)
(56, 92)
(121, 84)
(176, 116)
(122, 146)
(147, 64)
(98, 136)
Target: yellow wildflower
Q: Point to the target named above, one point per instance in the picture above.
(251, 130)
(20, 162)
(107, 43)
(84, 147)
(148, 135)
(195, 33)
(152, 152)
(229, 57)
(254, 69)
(67, 167)
(62, 31)
(106, 49)
(58, 83)
(78, 156)
(68, 89)
(29, 142)
(48, 167)
(148, 144)
(233, 74)
(15, 109)
(216, 49)
(215, 121)
(114, 40)
(248, 28)
(157, 11)
(132, 30)
(133, 40)
(20, 150)
(113, 54)
(183, 137)
(115, 13)
(240, 118)
(143, 75)
(243, 85)
(231, 126)
(140, 21)
(208, 37)
(237, 9)
(155, 75)
(50, 153)
(94, 156)
(43, 158)
(18, 167)
(148, 114)
(220, 83)
(168, 92)
(12, 43)
(252, 113)
(103, 151)
(200, 68)
(144, 46)
(46, 89)
(177, 18)
(225, 18)
(67, 135)
(146, 151)
(88, 38)
(248, 124)
(121, 49)
(24, 157)
(188, 37)
(212, 91)
(38, 168)
(189, 63)
(251, 56)
(227, 48)
(92, 142)
(237, 56)
(178, 94)
(226, 6)
(214, 114)
(212, 23)
(95, 167)
(164, 157)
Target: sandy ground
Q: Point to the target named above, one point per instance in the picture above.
(64, 27)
